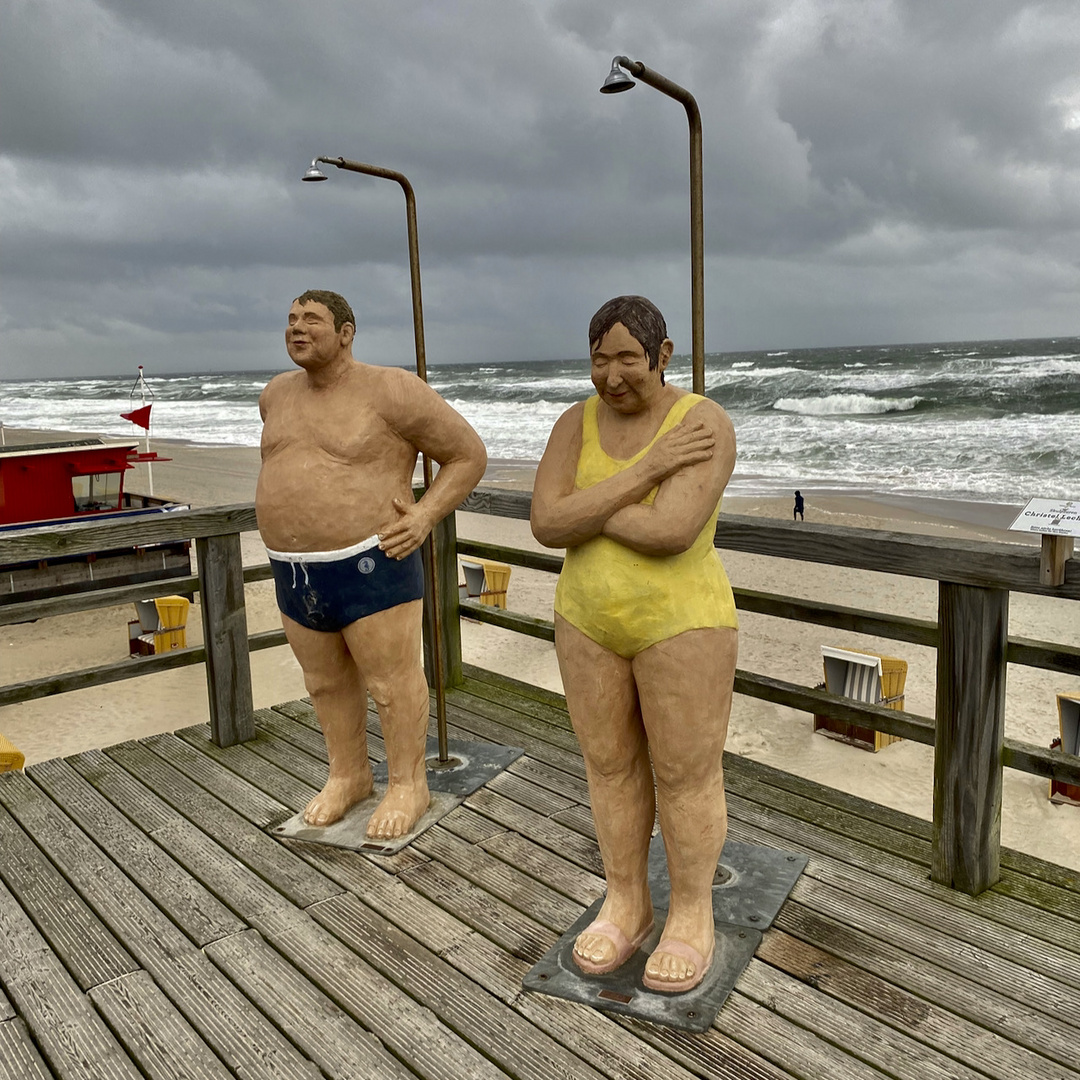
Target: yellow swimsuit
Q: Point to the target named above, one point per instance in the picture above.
(627, 601)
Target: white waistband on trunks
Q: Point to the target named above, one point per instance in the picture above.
(324, 556)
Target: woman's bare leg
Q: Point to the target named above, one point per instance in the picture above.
(684, 686)
(602, 701)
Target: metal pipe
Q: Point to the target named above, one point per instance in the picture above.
(421, 370)
(697, 213)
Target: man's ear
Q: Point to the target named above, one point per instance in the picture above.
(348, 332)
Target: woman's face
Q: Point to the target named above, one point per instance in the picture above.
(620, 371)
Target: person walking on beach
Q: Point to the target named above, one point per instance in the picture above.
(645, 634)
(335, 509)
(797, 513)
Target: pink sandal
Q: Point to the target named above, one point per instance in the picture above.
(624, 947)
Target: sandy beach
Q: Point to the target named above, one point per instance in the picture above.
(900, 776)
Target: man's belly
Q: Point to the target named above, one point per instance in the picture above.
(324, 507)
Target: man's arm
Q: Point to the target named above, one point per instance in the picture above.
(686, 498)
(425, 420)
(564, 516)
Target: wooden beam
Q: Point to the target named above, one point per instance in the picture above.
(971, 670)
(224, 616)
(444, 536)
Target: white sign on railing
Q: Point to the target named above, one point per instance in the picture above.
(1051, 517)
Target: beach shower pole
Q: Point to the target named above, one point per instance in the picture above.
(314, 173)
(617, 81)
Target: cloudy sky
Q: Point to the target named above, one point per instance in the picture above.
(876, 171)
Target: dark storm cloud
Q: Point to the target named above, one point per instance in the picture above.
(874, 171)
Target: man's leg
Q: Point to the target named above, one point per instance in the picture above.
(340, 699)
(603, 706)
(684, 685)
(386, 648)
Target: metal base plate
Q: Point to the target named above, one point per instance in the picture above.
(754, 883)
(621, 991)
(351, 831)
(471, 765)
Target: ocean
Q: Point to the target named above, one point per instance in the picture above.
(977, 421)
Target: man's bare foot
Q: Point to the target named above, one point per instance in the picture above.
(401, 808)
(684, 953)
(337, 797)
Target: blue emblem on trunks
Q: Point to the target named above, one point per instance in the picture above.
(366, 565)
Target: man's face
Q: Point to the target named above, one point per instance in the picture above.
(620, 370)
(310, 338)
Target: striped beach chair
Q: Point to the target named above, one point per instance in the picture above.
(867, 677)
(10, 758)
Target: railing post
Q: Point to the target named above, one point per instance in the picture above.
(224, 619)
(974, 624)
(445, 537)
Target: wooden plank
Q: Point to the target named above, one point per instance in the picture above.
(536, 798)
(19, 1057)
(131, 668)
(46, 542)
(953, 1035)
(833, 860)
(24, 611)
(154, 1034)
(88, 950)
(971, 562)
(444, 537)
(605, 1042)
(238, 1033)
(470, 826)
(523, 690)
(504, 924)
(325, 1033)
(477, 1017)
(1011, 942)
(542, 830)
(1016, 1021)
(857, 620)
(563, 875)
(1048, 996)
(551, 710)
(62, 1022)
(970, 728)
(211, 818)
(201, 916)
(494, 876)
(529, 625)
(792, 1048)
(533, 560)
(570, 787)
(233, 790)
(410, 1031)
(892, 1051)
(1021, 863)
(224, 617)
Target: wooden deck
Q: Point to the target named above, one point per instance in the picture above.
(149, 927)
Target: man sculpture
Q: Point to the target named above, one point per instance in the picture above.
(335, 509)
(645, 634)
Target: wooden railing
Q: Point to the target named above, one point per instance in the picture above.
(970, 635)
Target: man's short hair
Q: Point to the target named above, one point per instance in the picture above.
(337, 305)
(640, 316)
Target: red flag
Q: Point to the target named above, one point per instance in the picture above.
(139, 416)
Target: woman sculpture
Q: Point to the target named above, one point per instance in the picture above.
(645, 633)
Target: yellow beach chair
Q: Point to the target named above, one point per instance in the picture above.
(10, 758)
(487, 581)
(161, 625)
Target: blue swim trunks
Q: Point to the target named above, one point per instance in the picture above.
(328, 590)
